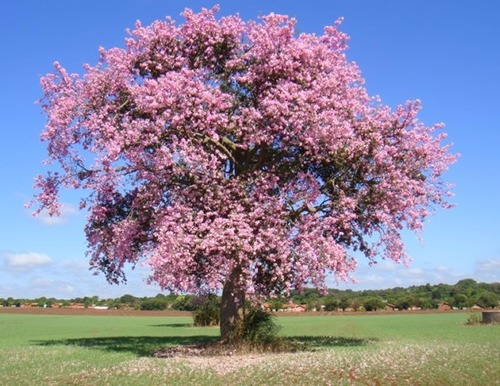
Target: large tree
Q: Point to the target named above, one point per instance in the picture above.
(237, 156)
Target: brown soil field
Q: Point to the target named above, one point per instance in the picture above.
(89, 311)
(360, 313)
(127, 312)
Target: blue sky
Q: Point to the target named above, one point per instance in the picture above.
(445, 53)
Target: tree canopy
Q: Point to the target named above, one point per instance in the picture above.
(237, 155)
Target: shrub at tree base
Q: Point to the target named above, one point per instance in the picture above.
(208, 313)
(237, 156)
(473, 320)
(259, 327)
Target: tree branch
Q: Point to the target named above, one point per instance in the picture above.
(219, 145)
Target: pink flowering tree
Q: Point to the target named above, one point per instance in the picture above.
(237, 156)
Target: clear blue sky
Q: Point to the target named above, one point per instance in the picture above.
(445, 53)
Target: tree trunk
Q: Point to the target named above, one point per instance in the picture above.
(491, 317)
(232, 308)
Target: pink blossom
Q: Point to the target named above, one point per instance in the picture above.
(221, 143)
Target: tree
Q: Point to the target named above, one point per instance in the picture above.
(487, 300)
(466, 285)
(237, 157)
(184, 303)
(88, 301)
(207, 311)
(42, 301)
(331, 303)
(461, 301)
(373, 303)
(128, 299)
(276, 304)
(154, 304)
(403, 303)
(356, 303)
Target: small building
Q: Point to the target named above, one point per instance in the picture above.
(290, 307)
(76, 306)
(30, 305)
(445, 307)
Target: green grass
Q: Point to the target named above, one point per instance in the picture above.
(100, 331)
(415, 349)
(442, 327)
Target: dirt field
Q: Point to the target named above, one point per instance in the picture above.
(94, 312)
(88, 311)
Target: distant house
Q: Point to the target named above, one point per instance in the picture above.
(445, 307)
(290, 307)
(390, 307)
(299, 308)
(76, 306)
(29, 305)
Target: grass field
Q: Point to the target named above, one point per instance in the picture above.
(400, 349)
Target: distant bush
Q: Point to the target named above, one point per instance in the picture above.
(473, 320)
(207, 311)
(154, 304)
(185, 303)
(331, 303)
(373, 304)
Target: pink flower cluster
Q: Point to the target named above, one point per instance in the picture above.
(221, 144)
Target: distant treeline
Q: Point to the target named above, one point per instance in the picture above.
(464, 294)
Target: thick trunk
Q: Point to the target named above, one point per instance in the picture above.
(232, 309)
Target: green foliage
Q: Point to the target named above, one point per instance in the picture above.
(331, 303)
(461, 301)
(309, 294)
(128, 299)
(276, 304)
(473, 320)
(356, 303)
(487, 300)
(404, 303)
(154, 304)
(207, 313)
(373, 304)
(184, 303)
(344, 303)
(313, 305)
(259, 326)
